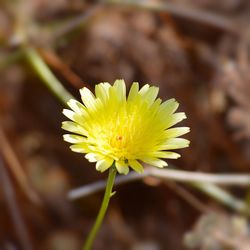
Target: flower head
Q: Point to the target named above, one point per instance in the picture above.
(111, 127)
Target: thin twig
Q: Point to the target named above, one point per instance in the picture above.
(204, 182)
(16, 169)
(187, 176)
(75, 23)
(176, 175)
(194, 14)
(100, 185)
(188, 196)
(11, 201)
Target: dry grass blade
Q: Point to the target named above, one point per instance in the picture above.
(197, 15)
(16, 169)
(54, 61)
(11, 202)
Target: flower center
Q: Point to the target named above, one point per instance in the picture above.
(117, 142)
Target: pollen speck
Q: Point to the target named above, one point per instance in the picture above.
(119, 137)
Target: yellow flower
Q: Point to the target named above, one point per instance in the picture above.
(128, 130)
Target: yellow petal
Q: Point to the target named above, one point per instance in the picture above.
(93, 157)
(136, 166)
(174, 119)
(102, 90)
(77, 107)
(150, 95)
(174, 143)
(166, 155)
(74, 128)
(144, 89)
(73, 138)
(88, 98)
(79, 148)
(104, 164)
(168, 107)
(76, 117)
(133, 93)
(155, 162)
(175, 132)
(120, 88)
(69, 113)
(122, 167)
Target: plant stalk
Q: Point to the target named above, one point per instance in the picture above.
(105, 202)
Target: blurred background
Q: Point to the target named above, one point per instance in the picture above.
(195, 51)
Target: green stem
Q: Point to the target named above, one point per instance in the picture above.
(222, 196)
(105, 202)
(46, 75)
